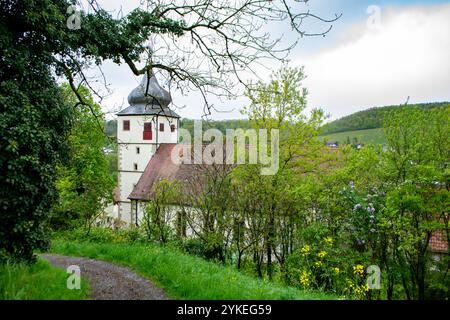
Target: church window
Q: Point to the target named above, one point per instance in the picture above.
(126, 125)
(147, 131)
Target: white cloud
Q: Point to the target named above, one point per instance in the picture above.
(409, 55)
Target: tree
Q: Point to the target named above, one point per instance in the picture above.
(37, 47)
(84, 184)
(278, 105)
(400, 198)
(417, 166)
(158, 212)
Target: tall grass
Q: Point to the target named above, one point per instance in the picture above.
(184, 276)
(39, 281)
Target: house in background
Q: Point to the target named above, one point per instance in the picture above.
(332, 144)
(142, 128)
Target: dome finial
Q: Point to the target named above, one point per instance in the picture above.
(149, 92)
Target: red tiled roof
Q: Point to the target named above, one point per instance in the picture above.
(190, 176)
(438, 242)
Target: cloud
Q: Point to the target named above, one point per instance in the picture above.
(356, 68)
(408, 55)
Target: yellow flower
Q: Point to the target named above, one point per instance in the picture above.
(336, 270)
(322, 254)
(305, 279)
(329, 240)
(305, 250)
(358, 270)
(318, 263)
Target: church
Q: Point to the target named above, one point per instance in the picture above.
(146, 129)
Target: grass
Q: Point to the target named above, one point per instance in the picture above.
(184, 276)
(368, 136)
(39, 281)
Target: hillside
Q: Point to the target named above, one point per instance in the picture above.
(362, 127)
(372, 136)
(370, 118)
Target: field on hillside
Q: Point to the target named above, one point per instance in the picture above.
(368, 136)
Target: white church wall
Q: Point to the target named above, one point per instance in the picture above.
(130, 155)
(135, 134)
(167, 136)
(127, 181)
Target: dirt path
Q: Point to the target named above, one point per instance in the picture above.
(109, 281)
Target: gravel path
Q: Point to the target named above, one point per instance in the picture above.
(109, 281)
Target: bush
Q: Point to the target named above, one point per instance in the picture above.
(196, 247)
(102, 235)
(321, 264)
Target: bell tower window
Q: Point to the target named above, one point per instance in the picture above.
(126, 125)
(147, 135)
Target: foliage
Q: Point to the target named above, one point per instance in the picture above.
(372, 118)
(84, 183)
(34, 124)
(37, 45)
(184, 276)
(158, 211)
(39, 281)
(325, 265)
(102, 235)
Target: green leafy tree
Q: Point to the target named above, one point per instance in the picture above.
(278, 104)
(159, 211)
(84, 183)
(417, 165)
(39, 42)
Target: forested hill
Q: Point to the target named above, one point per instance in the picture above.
(362, 120)
(370, 118)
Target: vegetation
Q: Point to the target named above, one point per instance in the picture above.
(84, 184)
(371, 118)
(181, 275)
(39, 281)
(50, 44)
(324, 220)
(367, 136)
(328, 219)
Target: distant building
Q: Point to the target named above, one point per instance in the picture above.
(332, 144)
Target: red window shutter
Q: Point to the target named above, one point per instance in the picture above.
(172, 128)
(126, 125)
(161, 127)
(147, 135)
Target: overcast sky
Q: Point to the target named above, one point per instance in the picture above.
(378, 53)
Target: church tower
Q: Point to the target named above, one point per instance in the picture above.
(142, 127)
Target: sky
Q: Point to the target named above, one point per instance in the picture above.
(378, 53)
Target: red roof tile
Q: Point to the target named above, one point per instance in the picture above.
(191, 176)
